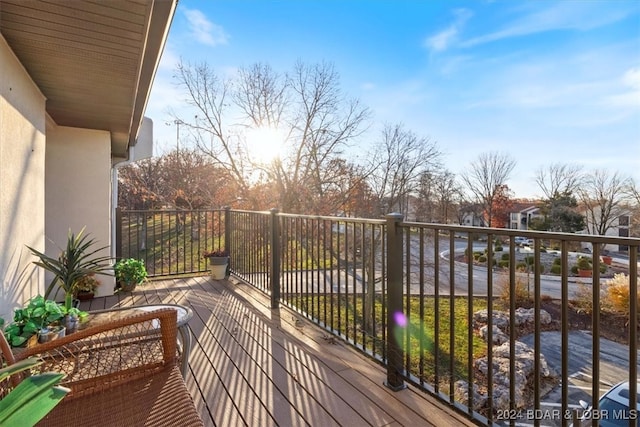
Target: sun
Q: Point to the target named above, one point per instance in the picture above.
(265, 144)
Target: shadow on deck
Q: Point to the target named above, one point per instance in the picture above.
(250, 365)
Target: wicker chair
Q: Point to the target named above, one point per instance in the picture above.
(122, 373)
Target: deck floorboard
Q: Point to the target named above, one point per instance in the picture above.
(254, 366)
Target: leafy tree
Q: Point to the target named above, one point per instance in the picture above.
(500, 208)
(560, 215)
(140, 185)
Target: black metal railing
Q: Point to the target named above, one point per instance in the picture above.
(170, 242)
(417, 296)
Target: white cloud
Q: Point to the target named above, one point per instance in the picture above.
(630, 98)
(367, 86)
(632, 78)
(203, 30)
(442, 40)
(580, 16)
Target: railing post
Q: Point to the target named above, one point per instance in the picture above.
(118, 241)
(227, 229)
(275, 259)
(396, 322)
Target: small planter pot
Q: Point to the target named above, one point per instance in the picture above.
(218, 266)
(85, 296)
(585, 273)
(128, 286)
(607, 259)
(50, 334)
(71, 323)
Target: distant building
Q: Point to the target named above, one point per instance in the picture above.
(522, 213)
(471, 215)
(619, 226)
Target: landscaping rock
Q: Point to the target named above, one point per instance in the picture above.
(499, 337)
(461, 393)
(524, 358)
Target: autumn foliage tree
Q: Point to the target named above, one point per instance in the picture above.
(500, 208)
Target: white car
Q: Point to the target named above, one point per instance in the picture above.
(520, 240)
(613, 407)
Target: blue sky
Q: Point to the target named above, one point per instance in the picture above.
(546, 81)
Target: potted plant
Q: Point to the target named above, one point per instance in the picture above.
(130, 272)
(79, 259)
(584, 267)
(218, 263)
(86, 287)
(39, 316)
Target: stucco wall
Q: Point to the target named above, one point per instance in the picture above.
(78, 189)
(22, 165)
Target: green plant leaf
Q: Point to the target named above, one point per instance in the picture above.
(32, 399)
(20, 366)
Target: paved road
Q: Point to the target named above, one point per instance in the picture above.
(614, 367)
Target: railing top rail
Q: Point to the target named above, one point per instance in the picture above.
(173, 210)
(335, 218)
(631, 241)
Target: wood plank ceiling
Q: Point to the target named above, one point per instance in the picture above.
(93, 60)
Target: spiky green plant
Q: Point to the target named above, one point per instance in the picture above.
(80, 258)
(33, 398)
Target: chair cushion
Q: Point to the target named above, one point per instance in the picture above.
(158, 400)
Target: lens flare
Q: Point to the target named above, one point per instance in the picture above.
(401, 319)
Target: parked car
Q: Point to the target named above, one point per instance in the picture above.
(520, 240)
(613, 407)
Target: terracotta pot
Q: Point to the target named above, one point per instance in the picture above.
(607, 259)
(585, 273)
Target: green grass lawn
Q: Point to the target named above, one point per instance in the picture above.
(428, 351)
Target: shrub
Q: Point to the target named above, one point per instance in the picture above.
(482, 258)
(521, 266)
(574, 269)
(603, 268)
(584, 263)
(522, 295)
(557, 261)
(556, 269)
(504, 263)
(617, 291)
(497, 248)
(583, 298)
(529, 260)
(505, 257)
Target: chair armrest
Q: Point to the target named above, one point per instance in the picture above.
(109, 354)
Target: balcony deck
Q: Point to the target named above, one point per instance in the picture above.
(250, 365)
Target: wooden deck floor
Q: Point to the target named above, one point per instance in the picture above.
(253, 366)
